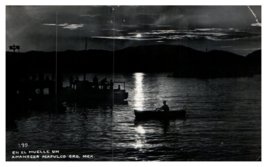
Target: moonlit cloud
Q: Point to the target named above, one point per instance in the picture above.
(208, 29)
(134, 38)
(213, 38)
(65, 25)
(52, 24)
(234, 29)
(47, 24)
(213, 34)
(156, 32)
(138, 35)
(73, 26)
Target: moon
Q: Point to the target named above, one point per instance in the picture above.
(138, 35)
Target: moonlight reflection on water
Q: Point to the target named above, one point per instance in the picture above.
(140, 137)
(139, 95)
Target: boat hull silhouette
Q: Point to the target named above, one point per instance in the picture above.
(152, 114)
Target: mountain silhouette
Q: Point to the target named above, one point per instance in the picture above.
(182, 61)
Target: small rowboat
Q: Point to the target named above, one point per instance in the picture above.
(155, 114)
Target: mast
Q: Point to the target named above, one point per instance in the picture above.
(84, 74)
(85, 43)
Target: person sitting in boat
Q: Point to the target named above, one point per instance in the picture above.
(165, 107)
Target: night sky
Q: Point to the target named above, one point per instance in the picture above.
(231, 28)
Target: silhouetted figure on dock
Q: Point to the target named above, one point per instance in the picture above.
(41, 76)
(111, 84)
(95, 82)
(71, 81)
(119, 87)
(59, 81)
(34, 77)
(103, 83)
(47, 78)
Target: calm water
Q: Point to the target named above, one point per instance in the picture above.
(223, 122)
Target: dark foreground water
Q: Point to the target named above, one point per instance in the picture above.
(223, 122)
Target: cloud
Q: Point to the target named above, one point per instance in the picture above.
(156, 32)
(213, 34)
(73, 26)
(128, 38)
(65, 25)
(208, 29)
(234, 29)
(48, 24)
